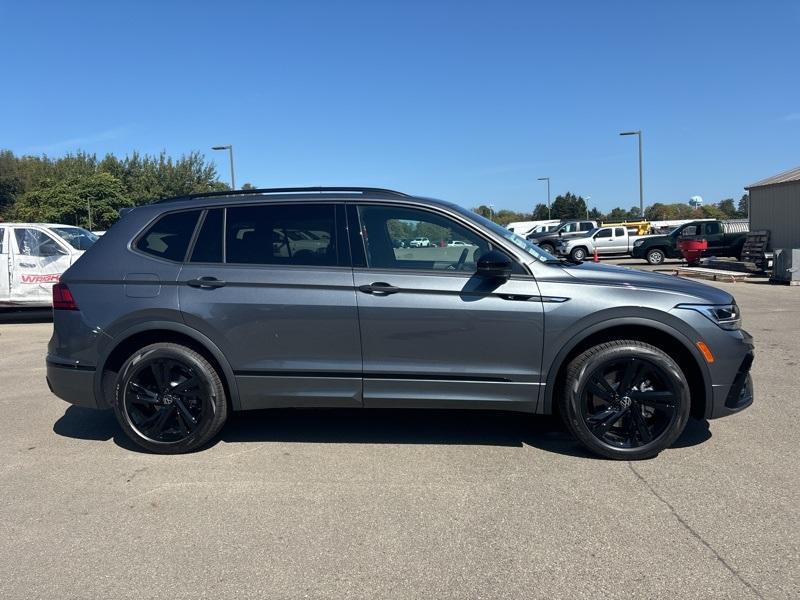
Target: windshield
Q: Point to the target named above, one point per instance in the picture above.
(512, 237)
(77, 237)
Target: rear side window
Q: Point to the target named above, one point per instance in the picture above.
(2, 241)
(169, 237)
(297, 234)
(619, 232)
(713, 228)
(208, 246)
(586, 226)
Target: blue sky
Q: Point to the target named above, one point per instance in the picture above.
(468, 101)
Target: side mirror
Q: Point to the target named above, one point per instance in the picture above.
(494, 265)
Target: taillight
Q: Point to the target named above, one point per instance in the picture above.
(62, 298)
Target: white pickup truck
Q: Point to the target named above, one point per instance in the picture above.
(32, 258)
(607, 240)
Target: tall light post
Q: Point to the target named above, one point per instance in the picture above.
(229, 148)
(641, 185)
(587, 206)
(547, 179)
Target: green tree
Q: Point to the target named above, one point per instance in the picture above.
(569, 206)
(595, 215)
(744, 206)
(540, 213)
(249, 186)
(728, 208)
(69, 201)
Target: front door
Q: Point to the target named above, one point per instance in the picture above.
(37, 262)
(434, 333)
(271, 286)
(604, 241)
(712, 232)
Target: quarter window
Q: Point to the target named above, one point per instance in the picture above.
(298, 234)
(169, 237)
(713, 228)
(619, 232)
(403, 238)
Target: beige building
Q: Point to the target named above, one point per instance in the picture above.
(775, 205)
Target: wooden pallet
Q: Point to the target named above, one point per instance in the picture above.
(755, 248)
(731, 276)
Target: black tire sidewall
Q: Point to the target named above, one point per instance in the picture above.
(548, 247)
(216, 403)
(586, 363)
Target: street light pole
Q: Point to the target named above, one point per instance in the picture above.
(229, 148)
(547, 179)
(641, 180)
(89, 210)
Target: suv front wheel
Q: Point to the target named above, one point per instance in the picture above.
(655, 256)
(169, 399)
(625, 399)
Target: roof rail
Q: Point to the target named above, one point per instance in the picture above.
(288, 190)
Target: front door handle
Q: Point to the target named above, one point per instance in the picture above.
(206, 283)
(379, 288)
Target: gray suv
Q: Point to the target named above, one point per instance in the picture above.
(192, 307)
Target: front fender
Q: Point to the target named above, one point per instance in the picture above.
(567, 340)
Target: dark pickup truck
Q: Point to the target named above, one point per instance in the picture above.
(725, 238)
(548, 240)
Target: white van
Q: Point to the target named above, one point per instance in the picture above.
(525, 228)
(32, 258)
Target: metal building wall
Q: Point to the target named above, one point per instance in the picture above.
(777, 208)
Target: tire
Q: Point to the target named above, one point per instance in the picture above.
(637, 422)
(655, 256)
(578, 254)
(169, 399)
(548, 247)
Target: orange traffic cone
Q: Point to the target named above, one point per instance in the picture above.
(596, 258)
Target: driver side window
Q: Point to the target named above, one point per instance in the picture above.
(404, 238)
(32, 242)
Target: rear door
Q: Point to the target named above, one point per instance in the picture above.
(272, 287)
(37, 263)
(712, 232)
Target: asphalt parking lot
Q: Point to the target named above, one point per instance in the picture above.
(411, 504)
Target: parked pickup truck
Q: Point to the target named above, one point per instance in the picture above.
(606, 240)
(725, 238)
(547, 240)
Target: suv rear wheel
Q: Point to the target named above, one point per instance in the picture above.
(169, 399)
(625, 399)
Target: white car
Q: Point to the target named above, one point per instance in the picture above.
(458, 243)
(419, 243)
(32, 258)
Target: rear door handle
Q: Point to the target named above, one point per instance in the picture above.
(206, 283)
(379, 288)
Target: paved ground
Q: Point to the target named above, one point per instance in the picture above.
(316, 504)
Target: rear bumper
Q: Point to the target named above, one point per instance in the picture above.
(74, 384)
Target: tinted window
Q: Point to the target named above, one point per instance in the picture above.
(208, 246)
(619, 232)
(2, 241)
(586, 226)
(437, 243)
(32, 242)
(298, 234)
(603, 233)
(689, 230)
(713, 228)
(169, 237)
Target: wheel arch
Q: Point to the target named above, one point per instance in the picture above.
(144, 334)
(667, 338)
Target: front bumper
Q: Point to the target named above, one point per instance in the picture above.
(72, 383)
(730, 399)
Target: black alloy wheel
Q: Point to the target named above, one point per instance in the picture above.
(170, 399)
(625, 399)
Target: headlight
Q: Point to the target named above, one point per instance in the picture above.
(638, 243)
(726, 316)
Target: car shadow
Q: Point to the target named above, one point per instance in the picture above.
(25, 315)
(359, 426)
